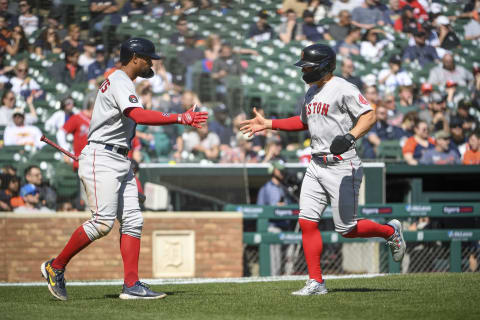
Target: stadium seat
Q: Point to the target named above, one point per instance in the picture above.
(389, 149)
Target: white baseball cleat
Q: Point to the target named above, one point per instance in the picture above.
(312, 287)
(395, 242)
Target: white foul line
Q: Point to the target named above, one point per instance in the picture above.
(197, 280)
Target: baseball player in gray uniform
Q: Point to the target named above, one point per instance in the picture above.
(336, 114)
(106, 172)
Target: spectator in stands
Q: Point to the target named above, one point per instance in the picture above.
(20, 134)
(213, 45)
(339, 30)
(458, 137)
(32, 204)
(310, 30)
(188, 57)
(78, 125)
(220, 126)
(203, 143)
(58, 118)
(9, 192)
(18, 42)
(349, 46)
(407, 23)
(472, 154)
(100, 10)
(273, 149)
(185, 8)
(450, 71)
(392, 13)
(161, 82)
(55, 20)
(274, 193)
(260, 30)
(454, 96)
(68, 72)
(8, 169)
(22, 84)
(87, 57)
(426, 90)
(178, 38)
(48, 43)
(441, 153)
(381, 131)
(394, 76)
(371, 94)
(319, 8)
(290, 29)
(417, 144)
(407, 101)
(8, 105)
(241, 150)
(408, 124)
(27, 19)
(420, 52)
(135, 8)
(371, 47)
(348, 69)
(343, 5)
(48, 196)
(472, 28)
(367, 15)
(470, 123)
(73, 39)
(298, 5)
(98, 68)
(226, 65)
(446, 34)
(8, 11)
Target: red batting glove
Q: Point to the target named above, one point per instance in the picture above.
(193, 118)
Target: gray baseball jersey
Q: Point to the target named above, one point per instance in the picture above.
(108, 124)
(107, 175)
(330, 111)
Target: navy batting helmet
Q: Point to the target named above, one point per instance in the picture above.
(319, 56)
(140, 46)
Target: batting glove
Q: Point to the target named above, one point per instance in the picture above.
(341, 144)
(193, 118)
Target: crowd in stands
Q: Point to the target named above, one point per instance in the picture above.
(428, 120)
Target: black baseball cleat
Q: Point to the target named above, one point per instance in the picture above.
(55, 280)
(140, 290)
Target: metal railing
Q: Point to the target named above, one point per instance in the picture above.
(442, 246)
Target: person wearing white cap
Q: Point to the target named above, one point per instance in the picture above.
(21, 134)
(448, 38)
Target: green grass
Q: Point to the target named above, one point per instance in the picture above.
(420, 296)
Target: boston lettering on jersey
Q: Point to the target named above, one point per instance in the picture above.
(317, 108)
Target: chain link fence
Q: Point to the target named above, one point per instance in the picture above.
(366, 257)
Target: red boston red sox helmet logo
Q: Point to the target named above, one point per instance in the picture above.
(133, 99)
(362, 99)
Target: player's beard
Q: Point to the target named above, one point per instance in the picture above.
(147, 73)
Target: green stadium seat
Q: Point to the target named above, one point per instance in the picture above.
(389, 149)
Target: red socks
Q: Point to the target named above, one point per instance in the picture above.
(369, 229)
(130, 249)
(312, 248)
(78, 241)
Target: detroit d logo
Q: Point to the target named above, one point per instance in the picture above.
(133, 99)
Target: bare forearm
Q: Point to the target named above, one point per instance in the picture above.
(364, 124)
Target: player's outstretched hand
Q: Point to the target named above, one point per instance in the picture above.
(193, 118)
(257, 124)
(341, 144)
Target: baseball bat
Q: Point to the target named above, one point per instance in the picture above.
(56, 146)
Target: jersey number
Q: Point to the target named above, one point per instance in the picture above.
(104, 86)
